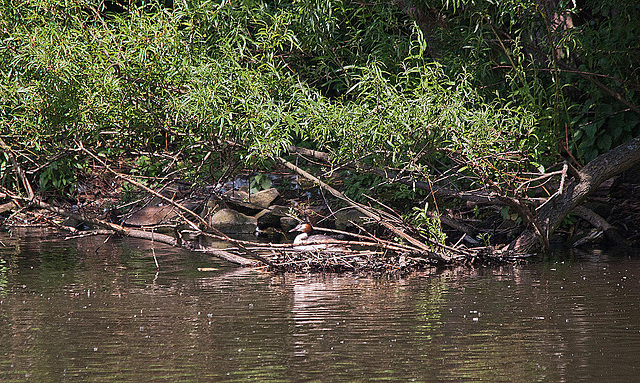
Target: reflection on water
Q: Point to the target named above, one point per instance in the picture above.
(94, 310)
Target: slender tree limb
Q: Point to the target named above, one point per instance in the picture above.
(362, 209)
(371, 240)
(23, 179)
(598, 222)
(125, 231)
(616, 95)
(322, 156)
(456, 225)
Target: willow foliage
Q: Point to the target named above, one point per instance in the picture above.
(342, 76)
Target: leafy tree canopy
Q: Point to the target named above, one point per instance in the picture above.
(399, 83)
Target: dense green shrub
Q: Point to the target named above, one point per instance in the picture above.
(359, 80)
(569, 62)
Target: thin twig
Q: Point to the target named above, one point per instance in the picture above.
(133, 232)
(18, 169)
(361, 208)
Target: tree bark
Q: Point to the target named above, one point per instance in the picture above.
(550, 215)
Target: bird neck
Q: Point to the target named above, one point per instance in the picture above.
(300, 238)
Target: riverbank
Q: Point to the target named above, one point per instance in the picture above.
(253, 212)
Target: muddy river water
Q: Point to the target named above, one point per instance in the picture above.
(96, 309)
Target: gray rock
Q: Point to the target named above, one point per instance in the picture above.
(258, 201)
(232, 222)
(210, 207)
(346, 218)
(271, 216)
(151, 215)
(288, 223)
(236, 195)
(264, 198)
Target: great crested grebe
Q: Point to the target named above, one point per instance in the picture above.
(305, 237)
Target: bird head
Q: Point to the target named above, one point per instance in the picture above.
(303, 227)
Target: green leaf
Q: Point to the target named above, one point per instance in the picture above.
(616, 132)
(538, 166)
(504, 213)
(590, 130)
(292, 123)
(604, 143)
(590, 154)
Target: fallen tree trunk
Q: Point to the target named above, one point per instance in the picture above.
(550, 214)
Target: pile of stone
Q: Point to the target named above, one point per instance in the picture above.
(235, 212)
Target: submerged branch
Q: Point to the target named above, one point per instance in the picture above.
(129, 232)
